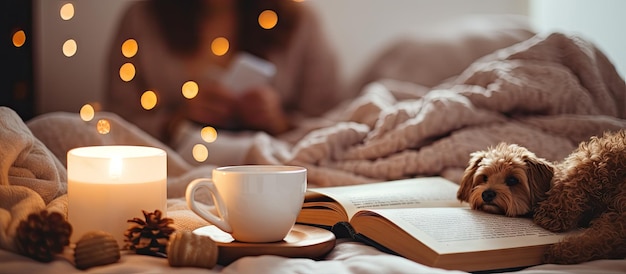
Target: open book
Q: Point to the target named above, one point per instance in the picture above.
(422, 220)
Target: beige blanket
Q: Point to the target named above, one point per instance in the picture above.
(31, 177)
(548, 93)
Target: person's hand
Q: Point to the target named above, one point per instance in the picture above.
(260, 108)
(213, 105)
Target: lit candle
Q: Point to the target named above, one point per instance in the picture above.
(108, 185)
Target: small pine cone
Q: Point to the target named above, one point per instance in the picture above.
(149, 237)
(42, 235)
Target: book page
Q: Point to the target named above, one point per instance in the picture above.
(454, 230)
(416, 192)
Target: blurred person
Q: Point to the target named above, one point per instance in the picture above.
(174, 46)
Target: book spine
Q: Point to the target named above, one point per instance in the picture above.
(343, 230)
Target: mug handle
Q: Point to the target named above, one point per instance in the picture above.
(220, 221)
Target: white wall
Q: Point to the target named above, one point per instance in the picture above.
(357, 28)
(601, 21)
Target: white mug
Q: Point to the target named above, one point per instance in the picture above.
(255, 203)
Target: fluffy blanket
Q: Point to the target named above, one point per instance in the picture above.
(31, 177)
(547, 93)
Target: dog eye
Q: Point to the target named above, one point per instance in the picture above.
(485, 178)
(511, 181)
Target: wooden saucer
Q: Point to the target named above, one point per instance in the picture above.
(303, 241)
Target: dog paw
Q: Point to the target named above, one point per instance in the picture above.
(554, 220)
(550, 222)
(562, 254)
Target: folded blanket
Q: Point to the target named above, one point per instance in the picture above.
(31, 178)
(547, 93)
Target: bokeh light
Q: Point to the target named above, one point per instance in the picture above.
(200, 153)
(220, 46)
(148, 100)
(129, 48)
(268, 19)
(190, 89)
(103, 126)
(19, 38)
(69, 48)
(87, 112)
(127, 72)
(67, 11)
(208, 134)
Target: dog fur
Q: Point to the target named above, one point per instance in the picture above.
(586, 190)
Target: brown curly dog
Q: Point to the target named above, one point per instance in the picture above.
(586, 190)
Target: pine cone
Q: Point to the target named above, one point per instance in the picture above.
(149, 237)
(42, 235)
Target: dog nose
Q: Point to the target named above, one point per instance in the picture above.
(488, 195)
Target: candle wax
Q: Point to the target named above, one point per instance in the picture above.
(109, 206)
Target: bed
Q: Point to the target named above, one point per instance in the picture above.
(547, 92)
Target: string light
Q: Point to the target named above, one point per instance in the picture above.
(129, 48)
(127, 72)
(103, 126)
(268, 19)
(190, 89)
(67, 11)
(69, 48)
(200, 153)
(208, 134)
(19, 38)
(220, 46)
(87, 112)
(148, 100)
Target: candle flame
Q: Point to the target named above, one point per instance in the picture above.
(115, 168)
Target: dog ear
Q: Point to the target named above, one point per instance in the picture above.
(467, 181)
(540, 173)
